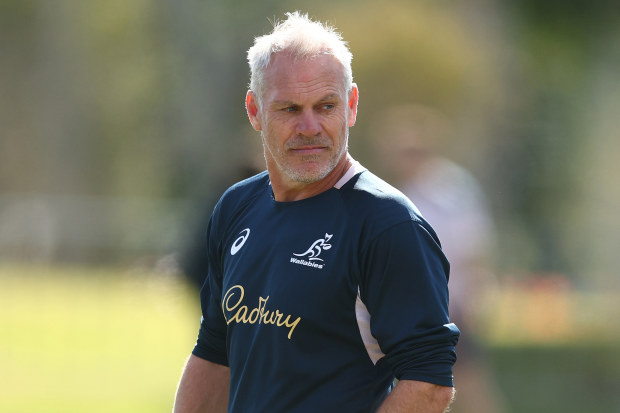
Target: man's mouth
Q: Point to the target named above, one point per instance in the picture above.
(308, 149)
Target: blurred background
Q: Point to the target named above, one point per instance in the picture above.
(121, 122)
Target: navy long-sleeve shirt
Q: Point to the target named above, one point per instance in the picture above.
(316, 305)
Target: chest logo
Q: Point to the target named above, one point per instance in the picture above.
(240, 241)
(311, 255)
(317, 248)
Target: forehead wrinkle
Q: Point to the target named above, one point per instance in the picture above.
(331, 96)
(299, 91)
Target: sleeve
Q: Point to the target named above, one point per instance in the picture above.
(404, 286)
(211, 343)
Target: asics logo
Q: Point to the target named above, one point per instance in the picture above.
(317, 248)
(240, 241)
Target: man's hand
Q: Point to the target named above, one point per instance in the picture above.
(411, 396)
(203, 387)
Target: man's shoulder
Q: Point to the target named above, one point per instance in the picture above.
(374, 202)
(375, 193)
(242, 193)
(379, 206)
(247, 188)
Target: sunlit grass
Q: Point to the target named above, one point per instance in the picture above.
(77, 340)
(92, 340)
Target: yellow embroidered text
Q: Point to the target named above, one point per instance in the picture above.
(234, 310)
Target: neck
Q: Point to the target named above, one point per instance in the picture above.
(285, 190)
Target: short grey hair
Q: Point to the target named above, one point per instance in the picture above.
(303, 38)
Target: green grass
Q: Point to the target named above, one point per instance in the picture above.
(88, 340)
(559, 379)
(76, 340)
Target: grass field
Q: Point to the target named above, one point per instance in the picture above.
(559, 379)
(77, 340)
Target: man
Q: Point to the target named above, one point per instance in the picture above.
(324, 282)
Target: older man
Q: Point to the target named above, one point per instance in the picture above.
(324, 282)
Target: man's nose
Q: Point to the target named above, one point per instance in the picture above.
(308, 124)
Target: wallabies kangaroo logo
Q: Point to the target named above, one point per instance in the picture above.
(316, 248)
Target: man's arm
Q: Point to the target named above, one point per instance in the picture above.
(203, 387)
(410, 396)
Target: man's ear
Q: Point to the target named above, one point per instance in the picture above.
(352, 104)
(252, 107)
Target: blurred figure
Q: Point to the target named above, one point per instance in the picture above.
(408, 141)
(193, 260)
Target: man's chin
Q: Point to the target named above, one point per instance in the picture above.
(309, 175)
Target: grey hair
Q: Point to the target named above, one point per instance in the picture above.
(303, 38)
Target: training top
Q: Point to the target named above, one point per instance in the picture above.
(316, 305)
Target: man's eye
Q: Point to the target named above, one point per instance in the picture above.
(290, 109)
(329, 106)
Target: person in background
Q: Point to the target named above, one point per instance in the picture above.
(192, 260)
(324, 282)
(408, 140)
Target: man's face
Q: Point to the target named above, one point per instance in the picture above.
(304, 117)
